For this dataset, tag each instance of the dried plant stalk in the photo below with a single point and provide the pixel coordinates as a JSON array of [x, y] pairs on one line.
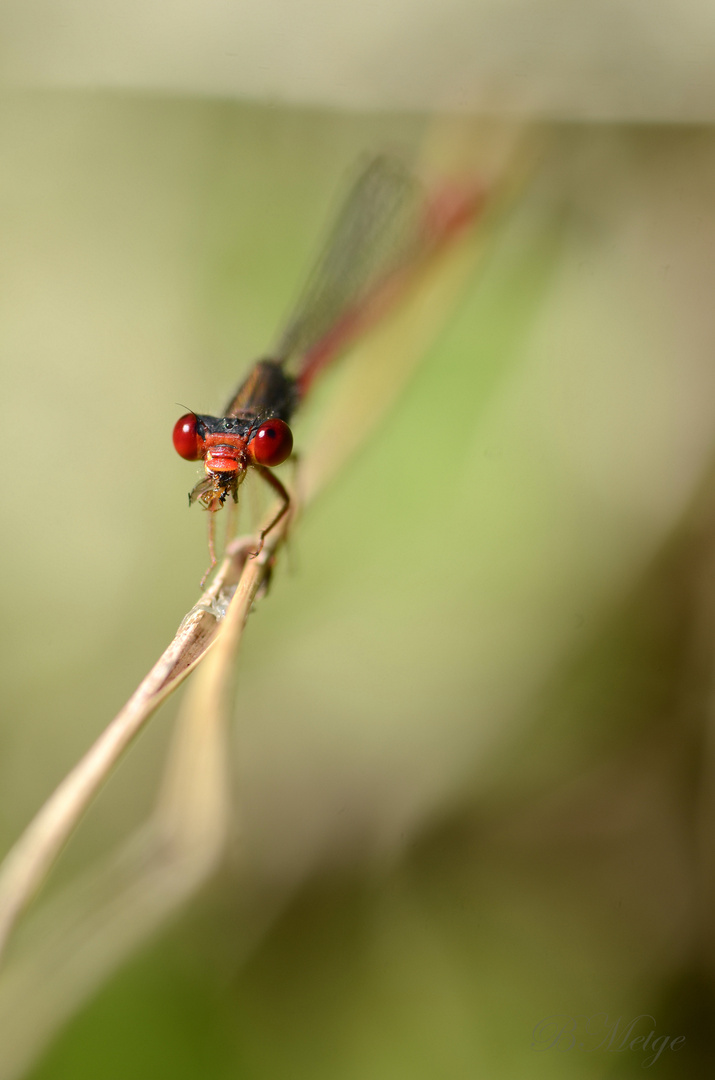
[[85, 932]]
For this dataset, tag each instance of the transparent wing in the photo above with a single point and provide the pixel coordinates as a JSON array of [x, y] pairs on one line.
[[376, 233]]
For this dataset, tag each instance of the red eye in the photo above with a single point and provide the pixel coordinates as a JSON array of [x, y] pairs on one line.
[[271, 444], [187, 441]]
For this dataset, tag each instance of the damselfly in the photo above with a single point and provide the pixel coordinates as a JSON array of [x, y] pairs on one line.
[[388, 226]]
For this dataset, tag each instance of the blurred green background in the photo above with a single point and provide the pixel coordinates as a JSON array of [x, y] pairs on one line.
[[471, 748]]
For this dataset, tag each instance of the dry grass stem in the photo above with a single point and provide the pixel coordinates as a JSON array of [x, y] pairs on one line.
[[86, 931]]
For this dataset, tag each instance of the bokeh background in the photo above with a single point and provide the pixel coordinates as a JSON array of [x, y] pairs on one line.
[[472, 757]]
